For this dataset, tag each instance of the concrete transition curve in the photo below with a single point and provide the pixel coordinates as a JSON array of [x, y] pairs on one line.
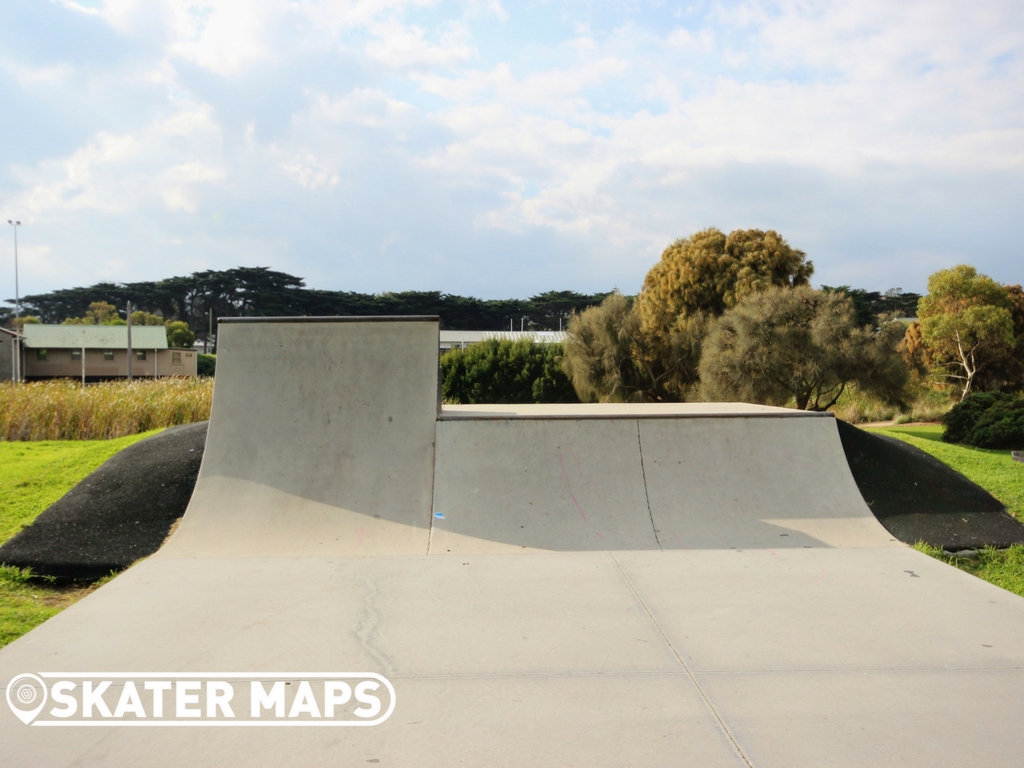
[[696, 584]]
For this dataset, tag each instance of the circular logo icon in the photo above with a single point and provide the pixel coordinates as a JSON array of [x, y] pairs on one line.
[[26, 696]]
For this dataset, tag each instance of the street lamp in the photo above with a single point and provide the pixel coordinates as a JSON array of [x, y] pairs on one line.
[[17, 306]]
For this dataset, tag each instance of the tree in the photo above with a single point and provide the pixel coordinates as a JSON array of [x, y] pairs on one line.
[[178, 334], [19, 323], [99, 313], [966, 323], [141, 317], [609, 357], [709, 272], [799, 344], [696, 280], [502, 371], [1005, 372], [869, 305], [913, 349], [262, 291]]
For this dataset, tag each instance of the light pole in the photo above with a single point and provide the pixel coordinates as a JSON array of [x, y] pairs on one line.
[[16, 363]]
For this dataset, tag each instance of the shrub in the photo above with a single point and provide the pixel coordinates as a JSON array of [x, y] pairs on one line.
[[206, 365], [505, 372], [986, 420], [797, 344]]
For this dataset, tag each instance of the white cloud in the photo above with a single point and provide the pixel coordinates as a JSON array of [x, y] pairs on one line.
[[177, 184], [369, 107], [29, 76], [77, 8], [226, 36], [682, 38], [310, 172], [407, 47], [167, 163], [604, 134]]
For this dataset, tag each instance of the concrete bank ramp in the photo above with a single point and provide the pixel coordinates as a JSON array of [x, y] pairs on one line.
[[610, 477], [597, 586]]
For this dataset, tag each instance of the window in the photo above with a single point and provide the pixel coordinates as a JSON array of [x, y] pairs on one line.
[[175, 358], [140, 354], [41, 355], [76, 354], [108, 354]]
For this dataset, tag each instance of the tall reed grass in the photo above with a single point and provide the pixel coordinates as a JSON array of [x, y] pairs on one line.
[[65, 410], [924, 404]]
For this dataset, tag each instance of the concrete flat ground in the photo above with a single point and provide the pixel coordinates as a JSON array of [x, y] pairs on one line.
[[799, 657], [582, 586]]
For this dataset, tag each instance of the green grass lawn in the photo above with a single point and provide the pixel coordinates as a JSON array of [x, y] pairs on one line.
[[922, 431], [33, 475], [997, 473]]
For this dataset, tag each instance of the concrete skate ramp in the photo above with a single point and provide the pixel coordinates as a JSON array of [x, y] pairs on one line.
[[321, 440], [611, 477], [330, 451]]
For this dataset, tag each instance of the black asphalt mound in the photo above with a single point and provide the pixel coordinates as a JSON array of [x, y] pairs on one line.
[[119, 513], [918, 498]]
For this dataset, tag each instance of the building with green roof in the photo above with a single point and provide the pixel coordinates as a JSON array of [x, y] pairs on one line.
[[100, 352]]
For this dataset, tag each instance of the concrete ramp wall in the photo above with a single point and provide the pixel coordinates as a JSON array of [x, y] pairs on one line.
[[611, 477], [754, 481], [527, 485], [321, 440]]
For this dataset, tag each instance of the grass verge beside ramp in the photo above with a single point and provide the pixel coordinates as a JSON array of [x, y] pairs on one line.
[[32, 477]]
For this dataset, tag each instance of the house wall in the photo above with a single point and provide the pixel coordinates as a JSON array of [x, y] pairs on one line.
[[6, 357], [58, 364]]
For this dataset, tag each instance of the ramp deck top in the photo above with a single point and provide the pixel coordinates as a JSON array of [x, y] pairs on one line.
[[623, 411]]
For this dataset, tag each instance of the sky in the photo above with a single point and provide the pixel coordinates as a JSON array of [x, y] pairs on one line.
[[498, 149]]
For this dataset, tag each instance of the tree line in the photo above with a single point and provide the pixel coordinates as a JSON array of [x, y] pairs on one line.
[[260, 291], [719, 317], [263, 292]]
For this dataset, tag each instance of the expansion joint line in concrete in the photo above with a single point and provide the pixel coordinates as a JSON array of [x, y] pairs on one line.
[[647, 495], [433, 488], [689, 673]]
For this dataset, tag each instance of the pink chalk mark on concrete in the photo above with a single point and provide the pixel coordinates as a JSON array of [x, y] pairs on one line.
[[359, 544], [565, 476]]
